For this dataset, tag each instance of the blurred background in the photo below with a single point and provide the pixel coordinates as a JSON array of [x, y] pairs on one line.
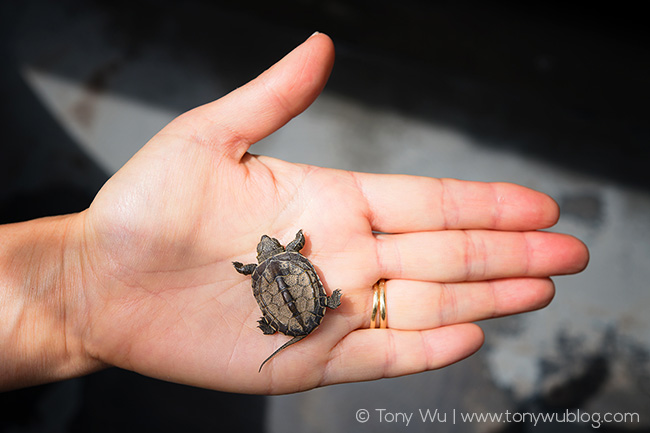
[[544, 95]]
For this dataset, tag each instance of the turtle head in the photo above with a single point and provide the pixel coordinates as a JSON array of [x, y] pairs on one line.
[[268, 247]]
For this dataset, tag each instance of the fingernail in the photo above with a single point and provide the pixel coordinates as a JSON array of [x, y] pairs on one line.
[[313, 34]]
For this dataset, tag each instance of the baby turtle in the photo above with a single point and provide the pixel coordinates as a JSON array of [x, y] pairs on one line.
[[287, 289]]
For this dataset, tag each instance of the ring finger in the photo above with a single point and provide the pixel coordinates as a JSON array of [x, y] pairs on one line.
[[419, 305]]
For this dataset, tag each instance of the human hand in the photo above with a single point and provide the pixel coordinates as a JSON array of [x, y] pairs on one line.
[[159, 294]]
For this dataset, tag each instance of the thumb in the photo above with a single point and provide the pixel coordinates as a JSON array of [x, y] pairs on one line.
[[259, 108]]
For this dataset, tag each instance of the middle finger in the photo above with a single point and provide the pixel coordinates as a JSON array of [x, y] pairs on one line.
[[473, 255]]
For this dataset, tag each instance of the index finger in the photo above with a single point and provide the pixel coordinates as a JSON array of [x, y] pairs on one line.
[[401, 203]]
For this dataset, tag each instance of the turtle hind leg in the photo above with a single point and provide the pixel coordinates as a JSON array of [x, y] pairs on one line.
[[265, 326], [244, 269], [297, 244], [335, 300], [295, 339]]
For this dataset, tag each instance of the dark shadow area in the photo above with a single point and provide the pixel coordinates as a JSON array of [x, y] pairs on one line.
[[116, 400], [139, 403]]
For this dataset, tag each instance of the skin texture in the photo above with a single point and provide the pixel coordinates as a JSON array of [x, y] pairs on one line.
[[143, 279]]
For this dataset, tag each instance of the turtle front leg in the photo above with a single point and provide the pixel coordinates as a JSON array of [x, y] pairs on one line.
[[297, 244], [265, 326], [335, 300], [244, 269]]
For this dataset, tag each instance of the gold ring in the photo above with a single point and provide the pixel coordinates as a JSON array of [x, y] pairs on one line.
[[378, 305]]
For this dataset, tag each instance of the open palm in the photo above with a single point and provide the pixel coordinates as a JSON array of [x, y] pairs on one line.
[[162, 297]]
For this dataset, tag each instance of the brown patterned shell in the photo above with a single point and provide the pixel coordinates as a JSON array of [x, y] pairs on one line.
[[289, 293]]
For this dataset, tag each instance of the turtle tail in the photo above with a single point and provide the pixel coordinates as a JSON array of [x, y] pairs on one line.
[[295, 339]]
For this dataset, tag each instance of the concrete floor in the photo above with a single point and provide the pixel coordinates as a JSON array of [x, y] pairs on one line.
[[89, 84]]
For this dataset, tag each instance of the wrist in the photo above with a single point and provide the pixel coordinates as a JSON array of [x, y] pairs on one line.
[[42, 302]]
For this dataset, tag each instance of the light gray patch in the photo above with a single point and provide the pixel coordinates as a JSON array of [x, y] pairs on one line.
[[587, 207]]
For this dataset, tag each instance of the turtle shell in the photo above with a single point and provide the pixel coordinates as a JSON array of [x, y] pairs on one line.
[[289, 293]]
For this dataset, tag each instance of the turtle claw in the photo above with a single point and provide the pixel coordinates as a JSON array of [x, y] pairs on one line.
[[335, 300], [244, 269], [297, 244], [265, 327]]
